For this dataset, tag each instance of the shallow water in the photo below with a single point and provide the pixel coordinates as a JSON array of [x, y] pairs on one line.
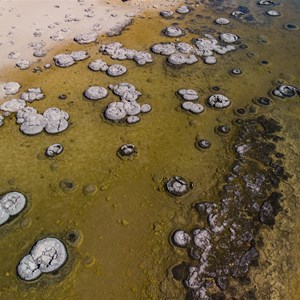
[[126, 224]]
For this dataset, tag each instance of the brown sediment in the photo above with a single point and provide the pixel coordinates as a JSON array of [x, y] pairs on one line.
[[126, 224]]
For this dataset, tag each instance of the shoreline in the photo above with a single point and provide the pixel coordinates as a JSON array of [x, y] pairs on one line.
[[58, 22]]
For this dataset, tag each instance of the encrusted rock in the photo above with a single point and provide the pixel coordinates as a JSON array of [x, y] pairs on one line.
[[188, 95], [54, 150], [177, 186], [218, 101], [95, 93], [116, 70], [11, 88], [86, 38], [32, 94], [47, 255], [98, 65], [13, 105]]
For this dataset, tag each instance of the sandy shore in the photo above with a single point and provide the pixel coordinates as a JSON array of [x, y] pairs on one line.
[[27, 25]]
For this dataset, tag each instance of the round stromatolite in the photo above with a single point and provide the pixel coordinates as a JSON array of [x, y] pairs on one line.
[[98, 65], [188, 94], [203, 144], [28, 269], [33, 124], [263, 101], [236, 72], [133, 119], [142, 58], [166, 13], [32, 94], [173, 31], [115, 111], [54, 150], [273, 13], [177, 186], [184, 48], [222, 21], [95, 93], [111, 48], [288, 90], [13, 202], [1, 120], [194, 108], [68, 185], [180, 59], [64, 60], [56, 120], [145, 108], [39, 53], [164, 48], [126, 91], [218, 101], [79, 55], [86, 38], [181, 238], [183, 9], [210, 60], [11, 88], [23, 64], [126, 151], [228, 38], [116, 70], [50, 254], [265, 2], [24, 113], [13, 105], [132, 108], [222, 129], [202, 238], [4, 215]]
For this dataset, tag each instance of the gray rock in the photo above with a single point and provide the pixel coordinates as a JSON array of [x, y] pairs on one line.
[[188, 95], [54, 150], [218, 101], [86, 38], [116, 70], [32, 94], [13, 105], [23, 64], [95, 93], [64, 60], [11, 88], [173, 31], [98, 65], [115, 111]]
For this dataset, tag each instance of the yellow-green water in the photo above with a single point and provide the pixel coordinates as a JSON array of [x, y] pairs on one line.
[[125, 253]]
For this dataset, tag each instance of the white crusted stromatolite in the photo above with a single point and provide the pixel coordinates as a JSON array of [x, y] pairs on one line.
[[133, 119], [218, 101], [13, 202], [180, 59], [110, 49], [181, 238], [80, 55], [95, 93], [98, 65], [173, 31], [116, 70], [273, 13], [39, 53], [132, 108], [177, 186], [188, 94], [184, 48], [56, 120], [1, 120], [115, 111], [64, 60], [4, 215], [164, 48], [11, 88], [142, 58], [86, 38], [166, 13], [145, 108], [210, 60], [54, 150], [33, 124], [13, 105], [222, 21], [183, 9], [47, 255], [228, 38], [23, 64], [32, 94], [126, 91], [195, 108]]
